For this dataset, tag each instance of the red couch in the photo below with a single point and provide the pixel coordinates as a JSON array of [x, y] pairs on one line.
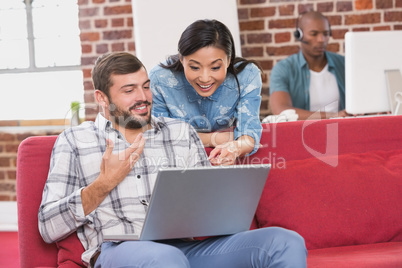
[[336, 182]]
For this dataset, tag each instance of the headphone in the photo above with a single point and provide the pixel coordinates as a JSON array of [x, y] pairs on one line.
[[298, 33]]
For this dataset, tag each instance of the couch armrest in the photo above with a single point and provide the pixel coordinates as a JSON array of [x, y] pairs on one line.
[[32, 168]]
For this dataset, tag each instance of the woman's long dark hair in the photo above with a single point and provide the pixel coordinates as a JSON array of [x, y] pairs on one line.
[[204, 33]]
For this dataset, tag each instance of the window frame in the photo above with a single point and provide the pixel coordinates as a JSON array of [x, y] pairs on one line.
[[34, 69], [31, 50]]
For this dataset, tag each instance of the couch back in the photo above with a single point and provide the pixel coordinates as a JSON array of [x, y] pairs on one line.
[[321, 138]]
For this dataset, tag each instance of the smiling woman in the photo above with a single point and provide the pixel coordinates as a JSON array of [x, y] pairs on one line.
[[206, 69], [208, 86], [39, 61]]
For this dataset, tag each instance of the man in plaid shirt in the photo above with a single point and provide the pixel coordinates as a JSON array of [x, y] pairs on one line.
[[102, 174]]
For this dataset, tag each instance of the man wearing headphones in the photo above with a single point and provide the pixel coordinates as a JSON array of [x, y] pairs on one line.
[[312, 82]]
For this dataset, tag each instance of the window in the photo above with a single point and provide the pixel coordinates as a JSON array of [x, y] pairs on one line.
[[40, 55]]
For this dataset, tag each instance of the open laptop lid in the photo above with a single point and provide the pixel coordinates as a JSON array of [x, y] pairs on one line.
[[202, 201]]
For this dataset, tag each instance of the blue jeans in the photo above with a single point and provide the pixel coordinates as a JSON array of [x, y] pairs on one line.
[[266, 247]]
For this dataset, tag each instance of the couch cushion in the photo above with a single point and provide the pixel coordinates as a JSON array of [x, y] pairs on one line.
[[70, 250], [382, 255], [357, 202]]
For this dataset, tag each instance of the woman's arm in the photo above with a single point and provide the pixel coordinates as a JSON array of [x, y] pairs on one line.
[[247, 114], [214, 139]]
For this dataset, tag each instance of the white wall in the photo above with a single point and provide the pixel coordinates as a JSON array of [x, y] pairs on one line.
[[158, 24], [8, 218]]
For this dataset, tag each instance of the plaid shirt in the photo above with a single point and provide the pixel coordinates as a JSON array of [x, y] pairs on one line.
[[75, 163]]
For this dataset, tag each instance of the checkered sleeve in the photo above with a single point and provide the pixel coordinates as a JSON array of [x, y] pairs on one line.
[[61, 211]]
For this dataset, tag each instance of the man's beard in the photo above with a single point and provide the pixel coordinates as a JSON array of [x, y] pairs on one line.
[[126, 119]]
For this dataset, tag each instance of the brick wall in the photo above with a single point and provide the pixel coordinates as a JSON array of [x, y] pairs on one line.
[[8, 159], [106, 26], [9, 142], [266, 28]]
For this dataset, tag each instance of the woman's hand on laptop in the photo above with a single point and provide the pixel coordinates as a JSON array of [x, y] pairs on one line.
[[224, 154]]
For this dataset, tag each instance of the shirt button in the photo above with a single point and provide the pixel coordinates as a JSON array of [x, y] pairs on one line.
[[138, 176]]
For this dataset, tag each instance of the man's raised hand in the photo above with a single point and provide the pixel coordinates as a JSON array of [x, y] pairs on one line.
[[115, 167]]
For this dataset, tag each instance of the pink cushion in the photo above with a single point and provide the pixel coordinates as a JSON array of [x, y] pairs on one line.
[[357, 202], [384, 255], [70, 250]]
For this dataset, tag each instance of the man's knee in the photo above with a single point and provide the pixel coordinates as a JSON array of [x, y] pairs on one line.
[[287, 238], [165, 256], [144, 254], [291, 245]]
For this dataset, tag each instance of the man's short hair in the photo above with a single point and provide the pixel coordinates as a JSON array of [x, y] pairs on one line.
[[113, 63]]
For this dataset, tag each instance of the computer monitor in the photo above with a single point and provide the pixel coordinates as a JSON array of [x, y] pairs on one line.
[[367, 56]]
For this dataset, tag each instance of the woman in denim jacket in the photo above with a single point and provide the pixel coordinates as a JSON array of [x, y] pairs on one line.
[[206, 85]]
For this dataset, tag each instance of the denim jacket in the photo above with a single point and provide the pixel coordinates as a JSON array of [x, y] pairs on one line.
[[173, 96]]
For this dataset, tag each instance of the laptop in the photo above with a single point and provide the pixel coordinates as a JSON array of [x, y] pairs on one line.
[[201, 201]]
